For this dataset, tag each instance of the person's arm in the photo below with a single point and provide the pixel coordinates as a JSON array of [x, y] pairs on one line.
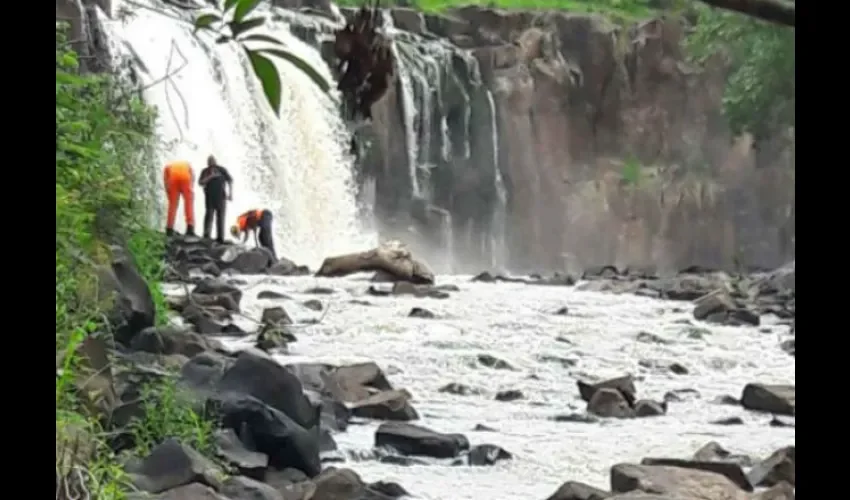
[[245, 236], [204, 177], [229, 181]]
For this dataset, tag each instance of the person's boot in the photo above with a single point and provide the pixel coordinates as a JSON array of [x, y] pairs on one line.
[[169, 231], [190, 230]]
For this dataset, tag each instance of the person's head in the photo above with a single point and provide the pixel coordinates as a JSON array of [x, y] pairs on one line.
[[234, 230], [211, 161]]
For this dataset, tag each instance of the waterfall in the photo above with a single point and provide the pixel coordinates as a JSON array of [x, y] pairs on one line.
[[498, 233], [209, 102]]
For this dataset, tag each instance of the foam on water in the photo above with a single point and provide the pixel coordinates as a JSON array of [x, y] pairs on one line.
[[515, 322]]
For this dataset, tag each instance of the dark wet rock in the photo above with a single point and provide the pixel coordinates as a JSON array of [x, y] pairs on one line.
[[678, 369], [256, 374], [663, 367], [651, 338], [557, 279], [493, 362], [608, 402], [483, 454], [363, 388], [319, 290], [313, 304], [234, 453], [776, 399], [276, 316], [563, 311], [789, 346], [625, 385], [414, 440], [171, 465], [271, 294], [509, 395], [282, 479], [679, 395], [778, 422], [458, 389], [217, 287], [285, 267], [418, 312], [172, 340], [389, 488], [203, 371], [584, 418], [677, 482], [572, 490], [246, 488], [728, 421], [267, 430], [727, 400], [344, 484], [251, 261], [483, 428], [782, 491], [780, 466], [133, 307], [647, 408], [194, 491], [731, 471]]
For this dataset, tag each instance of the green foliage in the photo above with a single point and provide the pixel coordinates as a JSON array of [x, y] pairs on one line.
[[238, 29], [631, 172], [618, 9], [759, 93], [166, 415]]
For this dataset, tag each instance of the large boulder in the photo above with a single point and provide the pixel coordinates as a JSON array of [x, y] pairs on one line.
[[133, 305], [391, 258]]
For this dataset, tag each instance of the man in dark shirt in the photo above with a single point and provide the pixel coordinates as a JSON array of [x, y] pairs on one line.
[[218, 190]]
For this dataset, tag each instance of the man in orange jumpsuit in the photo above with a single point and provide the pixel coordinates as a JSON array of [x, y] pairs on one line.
[[178, 177], [256, 221]]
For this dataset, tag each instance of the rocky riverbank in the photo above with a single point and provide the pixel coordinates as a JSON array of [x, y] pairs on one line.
[[278, 425]]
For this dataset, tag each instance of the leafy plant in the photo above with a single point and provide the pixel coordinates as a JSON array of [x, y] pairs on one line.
[[631, 172], [167, 415], [759, 97], [232, 23]]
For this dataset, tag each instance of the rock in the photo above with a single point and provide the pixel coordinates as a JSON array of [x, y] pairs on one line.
[[285, 267], [651, 338], [345, 484], [133, 307], [625, 385], [572, 490], [728, 421], [458, 389], [269, 431], [204, 320], [203, 371], [647, 408], [789, 346], [194, 491], [677, 482], [509, 395], [777, 399], [563, 311], [608, 402], [584, 418], [217, 286], [713, 452], [313, 304], [414, 440], [780, 466], [233, 451], [172, 340], [393, 259], [493, 362], [731, 471], [418, 312], [271, 294], [482, 455], [171, 465], [276, 316], [714, 302], [385, 405], [255, 374], [252, 261], [782, 491], [245, 488]]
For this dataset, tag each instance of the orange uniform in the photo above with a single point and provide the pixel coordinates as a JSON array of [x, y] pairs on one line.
[[249, 220], [178, 177]]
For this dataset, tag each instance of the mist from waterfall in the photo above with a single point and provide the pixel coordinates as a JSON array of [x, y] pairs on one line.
[[210, 102]]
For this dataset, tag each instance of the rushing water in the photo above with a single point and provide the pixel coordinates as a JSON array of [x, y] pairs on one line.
[[210, 102], [516, 323]]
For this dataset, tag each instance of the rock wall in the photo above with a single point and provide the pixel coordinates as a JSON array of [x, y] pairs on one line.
[[578, 100]]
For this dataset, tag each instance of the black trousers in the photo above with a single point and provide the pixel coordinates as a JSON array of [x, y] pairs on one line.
[[265, 232], [215, 206]]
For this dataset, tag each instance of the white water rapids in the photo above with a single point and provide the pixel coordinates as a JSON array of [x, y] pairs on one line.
[[516, 323], [210, 102]]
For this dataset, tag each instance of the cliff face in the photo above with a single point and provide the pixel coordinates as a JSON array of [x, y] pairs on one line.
[[578, 102]]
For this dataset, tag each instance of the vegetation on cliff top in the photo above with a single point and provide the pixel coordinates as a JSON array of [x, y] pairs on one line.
[[104, 141]]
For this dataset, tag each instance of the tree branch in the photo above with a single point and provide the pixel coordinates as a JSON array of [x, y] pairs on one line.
[[774, 11]]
